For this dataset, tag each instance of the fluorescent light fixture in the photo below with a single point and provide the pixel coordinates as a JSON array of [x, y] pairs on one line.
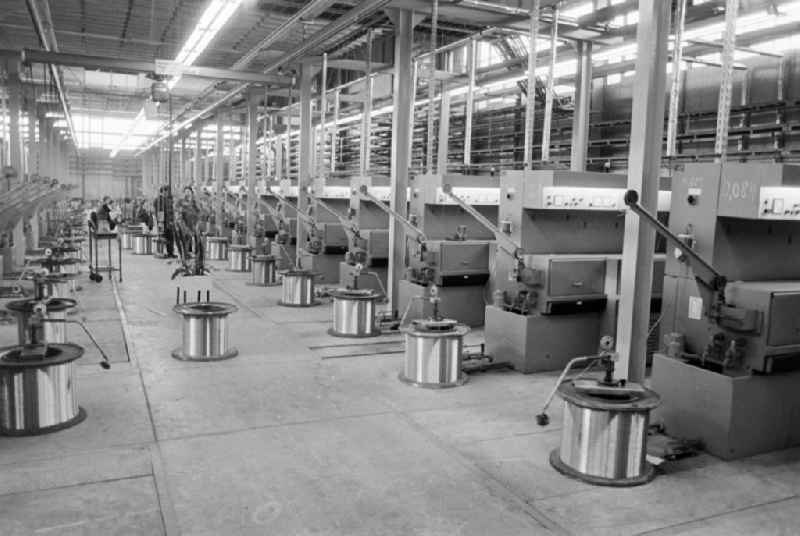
[[213, 19], [215, 16]]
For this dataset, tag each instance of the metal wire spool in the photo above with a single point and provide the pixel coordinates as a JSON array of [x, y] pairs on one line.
[[433, 353], [354, 313], [239, 258], [205, 331], [298, 289], [126, 236], [142, 244], [38, 389], [29, 332], [160, 246], [216, 248], [603, 439], [60, 265], [52, 286], [264, 271]]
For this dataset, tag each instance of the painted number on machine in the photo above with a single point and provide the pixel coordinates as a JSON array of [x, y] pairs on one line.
[[738, 190]]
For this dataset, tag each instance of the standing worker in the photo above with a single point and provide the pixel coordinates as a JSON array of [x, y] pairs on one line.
[[165, 217]]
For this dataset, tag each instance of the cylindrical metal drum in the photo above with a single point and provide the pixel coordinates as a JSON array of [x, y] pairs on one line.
[[354, 313], [142, 244], [126, 238], [38, 389], [264, 271], [216, 248], [603, 439], [298, 289], [160, 246], [205, 331], [52, 286], [433, 353], [239, 258], [30, 331]]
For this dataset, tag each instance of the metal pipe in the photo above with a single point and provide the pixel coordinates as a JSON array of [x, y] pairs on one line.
[[42, 29], [323, 111]]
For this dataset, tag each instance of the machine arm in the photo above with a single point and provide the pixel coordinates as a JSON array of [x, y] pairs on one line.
[[308, 220], [509, 246], [347, 224], [705, 274], [393, 213]]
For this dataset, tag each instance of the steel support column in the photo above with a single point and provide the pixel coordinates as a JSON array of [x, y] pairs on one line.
[[402, 125], [444, 130], [197, 173], [677, 75], [472, 54], [583, 106], [530, 101], [219, 155], [252, 132], [551, 79], [644, 166], [726, 84], [305, 150], [14, 88]]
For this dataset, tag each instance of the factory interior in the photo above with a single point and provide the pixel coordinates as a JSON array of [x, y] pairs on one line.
[[331, 267]]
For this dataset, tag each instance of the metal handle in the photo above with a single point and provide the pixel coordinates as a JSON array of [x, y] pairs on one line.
[[704, 272], [393, 213], [515, 250]]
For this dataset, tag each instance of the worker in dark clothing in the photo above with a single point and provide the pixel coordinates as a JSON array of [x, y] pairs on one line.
[[165, 218], [102, 219], [188, 218]]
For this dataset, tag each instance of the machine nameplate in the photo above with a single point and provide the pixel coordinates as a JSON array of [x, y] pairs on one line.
[[779, 203]]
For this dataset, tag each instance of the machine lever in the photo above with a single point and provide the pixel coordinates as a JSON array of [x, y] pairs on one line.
[[393, 213], [707, 277], [511, 247]]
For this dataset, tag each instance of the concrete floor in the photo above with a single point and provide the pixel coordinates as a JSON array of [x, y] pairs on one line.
[[292, 438]]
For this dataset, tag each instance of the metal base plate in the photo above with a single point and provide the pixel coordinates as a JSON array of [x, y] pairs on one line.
[[80, 417], [179, 355], [238, 271], [312, 304], [251, 284], [462, 379], [564, 469], [333, 333]]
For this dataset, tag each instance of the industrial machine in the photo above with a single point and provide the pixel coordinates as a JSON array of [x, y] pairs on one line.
[[328, 240], [455, 253], [557, 295], [729, 371], [369, 237]]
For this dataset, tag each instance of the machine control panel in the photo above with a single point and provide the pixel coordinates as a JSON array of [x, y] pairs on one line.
[[779, 203], [471, 196], [334, 192], [382, 193], [585, 198]]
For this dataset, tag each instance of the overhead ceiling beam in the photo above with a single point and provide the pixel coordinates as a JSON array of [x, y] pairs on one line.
[[157, 67], [363, 9]]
